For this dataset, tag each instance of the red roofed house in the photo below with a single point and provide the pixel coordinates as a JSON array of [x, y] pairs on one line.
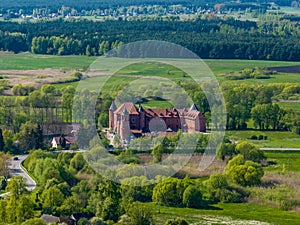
[[128, 120], [63, 141]]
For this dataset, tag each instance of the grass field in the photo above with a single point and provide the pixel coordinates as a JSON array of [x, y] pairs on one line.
[[152, 69], [32, 61], [277, 78], [219, 66], [275, 138], [290, 105], [157, 104], [288, 161], [242, 214], [27, 61]]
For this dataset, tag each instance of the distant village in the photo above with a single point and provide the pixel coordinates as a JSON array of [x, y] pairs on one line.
[[123, 13]]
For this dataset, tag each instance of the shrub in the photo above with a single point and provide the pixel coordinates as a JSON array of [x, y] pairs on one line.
[[97, 221], [177, 221], [260, 137], [250, 151], [140, 214], [83, 221], [137, 188], [192, 197], [242, 172], [170, 191], [253, 137], [219, 190]]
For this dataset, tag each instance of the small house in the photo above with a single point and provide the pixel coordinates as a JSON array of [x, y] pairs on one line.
[[63, 141]]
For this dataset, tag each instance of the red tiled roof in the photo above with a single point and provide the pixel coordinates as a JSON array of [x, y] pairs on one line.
[[154, 112], [130, 107], [162, 113]]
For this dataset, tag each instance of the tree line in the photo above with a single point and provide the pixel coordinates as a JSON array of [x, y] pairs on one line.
[[244, 102], [209, 37]]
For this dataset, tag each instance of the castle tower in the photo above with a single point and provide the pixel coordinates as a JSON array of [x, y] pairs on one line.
[[112, 108], [142, 117], [124, 127]]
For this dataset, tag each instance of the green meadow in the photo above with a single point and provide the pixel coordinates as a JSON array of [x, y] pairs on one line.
[[275, 139], [28, 61], [283, 160], [225, 213], [290, 105]]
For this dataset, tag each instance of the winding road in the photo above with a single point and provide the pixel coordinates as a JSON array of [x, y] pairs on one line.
[[15, 168]]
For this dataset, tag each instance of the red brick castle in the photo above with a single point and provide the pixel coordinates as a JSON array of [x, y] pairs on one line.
[[128, 120]]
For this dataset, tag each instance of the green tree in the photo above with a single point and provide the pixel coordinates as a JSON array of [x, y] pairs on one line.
[[170, 192], [4, 165], [250, 151], [83, 221], [77, 162], [16, 186], [97, 221], [70, 206], [140, 214], [52, 199], [216, 186], [227, 149], [192, 197], [2, 144], [157, 153], [29, 136], [34, 222], [3, 211], [3, 182], [110, 209], [138, 188], [24, 209], [245, 173]]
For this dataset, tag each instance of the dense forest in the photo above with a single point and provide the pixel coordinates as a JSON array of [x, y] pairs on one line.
[[208, 37]]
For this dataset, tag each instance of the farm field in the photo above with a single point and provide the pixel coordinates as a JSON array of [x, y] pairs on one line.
[[28, 61], [56, 67]]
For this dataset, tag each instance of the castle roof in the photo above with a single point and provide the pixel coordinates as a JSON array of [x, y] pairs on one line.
[[162, 113], [125, 112], [130, 107], [113, 106]]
